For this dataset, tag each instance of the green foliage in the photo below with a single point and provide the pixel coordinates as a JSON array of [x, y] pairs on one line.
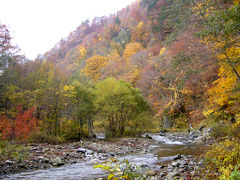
[[14, 152], [116, 104], [117, 21], [150, 4], [141, 123], [235, 175], [123, 37], [121, 170], [222, 23], [174, 15]]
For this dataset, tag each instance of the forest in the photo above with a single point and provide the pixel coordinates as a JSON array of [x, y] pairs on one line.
[[127, 74]]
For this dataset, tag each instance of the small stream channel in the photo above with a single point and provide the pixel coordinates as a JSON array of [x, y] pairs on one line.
[[164, 151]]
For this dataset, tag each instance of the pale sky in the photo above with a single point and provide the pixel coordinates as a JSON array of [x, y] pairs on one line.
[[37, 25]]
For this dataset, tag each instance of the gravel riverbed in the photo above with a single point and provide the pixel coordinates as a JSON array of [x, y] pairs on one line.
[[175, 154]]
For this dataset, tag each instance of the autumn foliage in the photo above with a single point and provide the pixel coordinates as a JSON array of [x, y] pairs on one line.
[[19, 127], [182, 55]]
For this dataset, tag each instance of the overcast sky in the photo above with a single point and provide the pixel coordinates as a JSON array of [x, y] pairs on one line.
[[37, 25]]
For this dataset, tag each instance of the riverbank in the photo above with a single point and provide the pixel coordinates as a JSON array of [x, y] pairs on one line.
[[174, 154], [43, 156]]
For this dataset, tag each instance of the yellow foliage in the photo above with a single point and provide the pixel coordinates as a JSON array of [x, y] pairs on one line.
[[223, 93], [236, 2], [131, 49], [162, 51], [140, 25], [135, 75], [114, 57], [94, 66], [82, 51], [220, 93], [203, 8], [222, 158]]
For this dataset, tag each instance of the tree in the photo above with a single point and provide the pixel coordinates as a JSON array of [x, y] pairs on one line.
[[131, 49], [94, 66], [83, 105], [221, 31], [19, 127], [221, 35], [6, 49], [117, 103], [48, 97]]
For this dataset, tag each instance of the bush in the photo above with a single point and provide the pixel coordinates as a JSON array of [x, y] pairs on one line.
[[41, 137], [14, 152], [221, 159], [220, 130], [181, 121], [122, 169]]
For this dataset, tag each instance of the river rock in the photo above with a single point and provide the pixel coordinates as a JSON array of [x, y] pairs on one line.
[[178, 156], [148, 136], [99, 150], [81, 150], [45, 160], [178, 163], [9, 162], [198, 141], [161, 134], [191, 163], [57, 162], [182, 162], [175, 164], [171, 175], [145, 166], [90, 152]]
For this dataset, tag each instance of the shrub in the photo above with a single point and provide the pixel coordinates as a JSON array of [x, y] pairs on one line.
[[221, 159], [42, 137], [14, 152], [121, 169], [220, 130]]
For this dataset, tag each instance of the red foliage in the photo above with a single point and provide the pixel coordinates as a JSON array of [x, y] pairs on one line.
[[20, 127], [5, 127]]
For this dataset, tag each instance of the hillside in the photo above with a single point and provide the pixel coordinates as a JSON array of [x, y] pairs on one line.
[[154, 65]]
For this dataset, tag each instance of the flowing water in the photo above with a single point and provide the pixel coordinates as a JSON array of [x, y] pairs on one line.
[[163, 152]]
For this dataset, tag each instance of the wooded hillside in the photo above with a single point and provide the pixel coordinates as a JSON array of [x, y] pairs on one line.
[[153, 60]]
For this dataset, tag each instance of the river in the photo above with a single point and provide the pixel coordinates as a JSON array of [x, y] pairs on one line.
[[164, 151]]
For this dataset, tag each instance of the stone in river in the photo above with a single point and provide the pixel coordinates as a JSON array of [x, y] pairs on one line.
[[9, 162], [57, 162], [178, 156], [81, 150]]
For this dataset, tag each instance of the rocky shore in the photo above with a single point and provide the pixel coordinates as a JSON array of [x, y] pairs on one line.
[[43, 156], [181, 165]]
